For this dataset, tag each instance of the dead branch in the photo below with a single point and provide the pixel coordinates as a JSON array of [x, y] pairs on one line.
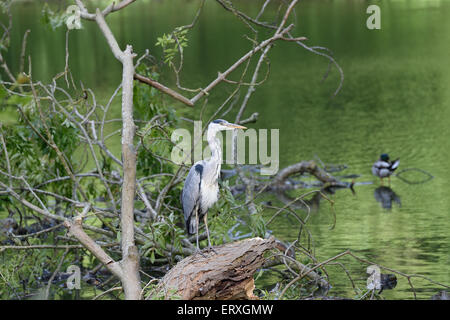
[[164, 89], [221, 76], [224, 275], [130, 258], [310, 167]]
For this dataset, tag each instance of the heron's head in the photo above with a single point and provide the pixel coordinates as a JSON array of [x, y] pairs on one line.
[[220, 124], [384, 157]]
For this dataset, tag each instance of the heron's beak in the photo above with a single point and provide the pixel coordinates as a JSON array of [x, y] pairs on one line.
[[232, 125]]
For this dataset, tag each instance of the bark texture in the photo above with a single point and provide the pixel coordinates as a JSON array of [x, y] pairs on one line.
[[222, 275]]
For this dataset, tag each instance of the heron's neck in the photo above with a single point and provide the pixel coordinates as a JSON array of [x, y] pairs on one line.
[[215, 162], [215, 147]]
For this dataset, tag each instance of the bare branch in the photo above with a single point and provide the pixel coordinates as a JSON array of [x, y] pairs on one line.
[[130, 261], [100, 19], [111, 8], [164, 89], [76, 229], [249, 54]]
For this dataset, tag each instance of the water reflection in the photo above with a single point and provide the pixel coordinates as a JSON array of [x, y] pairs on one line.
[[385, 196]]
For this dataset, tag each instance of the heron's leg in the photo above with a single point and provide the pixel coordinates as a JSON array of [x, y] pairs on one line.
[[381, 181], [205, 219], [389, 179], [196, 231]]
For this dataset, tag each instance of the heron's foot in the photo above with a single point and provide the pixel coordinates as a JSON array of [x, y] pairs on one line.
[[210, 249], [199, 251]]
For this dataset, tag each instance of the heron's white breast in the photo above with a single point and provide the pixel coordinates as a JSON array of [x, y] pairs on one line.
[[209, 194]]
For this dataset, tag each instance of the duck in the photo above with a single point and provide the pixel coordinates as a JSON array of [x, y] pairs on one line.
[[384, 168], [387, 281]]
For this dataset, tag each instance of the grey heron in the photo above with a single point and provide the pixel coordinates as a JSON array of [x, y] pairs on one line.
[[383, 167], [201, 188]]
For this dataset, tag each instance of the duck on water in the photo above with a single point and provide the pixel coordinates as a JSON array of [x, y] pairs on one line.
[[384, 168]]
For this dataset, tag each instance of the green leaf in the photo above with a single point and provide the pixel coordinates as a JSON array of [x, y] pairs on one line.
[[3, 92], [152, 256], [19, 100], [261, 271]]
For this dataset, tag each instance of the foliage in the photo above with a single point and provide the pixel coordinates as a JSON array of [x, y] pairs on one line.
[[173, 43], [32, 155], [24, 272], [51, 19], [152, 292], [29, 155]]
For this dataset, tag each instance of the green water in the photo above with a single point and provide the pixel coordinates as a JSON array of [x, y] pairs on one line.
[[395, 99]]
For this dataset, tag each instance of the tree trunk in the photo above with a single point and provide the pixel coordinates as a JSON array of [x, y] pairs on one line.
[[224, 274]]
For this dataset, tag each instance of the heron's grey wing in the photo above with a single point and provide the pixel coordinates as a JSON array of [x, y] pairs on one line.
[[191, 192]]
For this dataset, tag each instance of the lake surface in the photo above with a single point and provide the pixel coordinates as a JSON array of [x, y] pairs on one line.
[[395, 99]]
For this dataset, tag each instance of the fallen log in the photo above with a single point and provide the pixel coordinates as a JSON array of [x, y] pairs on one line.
[[225, 274], [306, 167]]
